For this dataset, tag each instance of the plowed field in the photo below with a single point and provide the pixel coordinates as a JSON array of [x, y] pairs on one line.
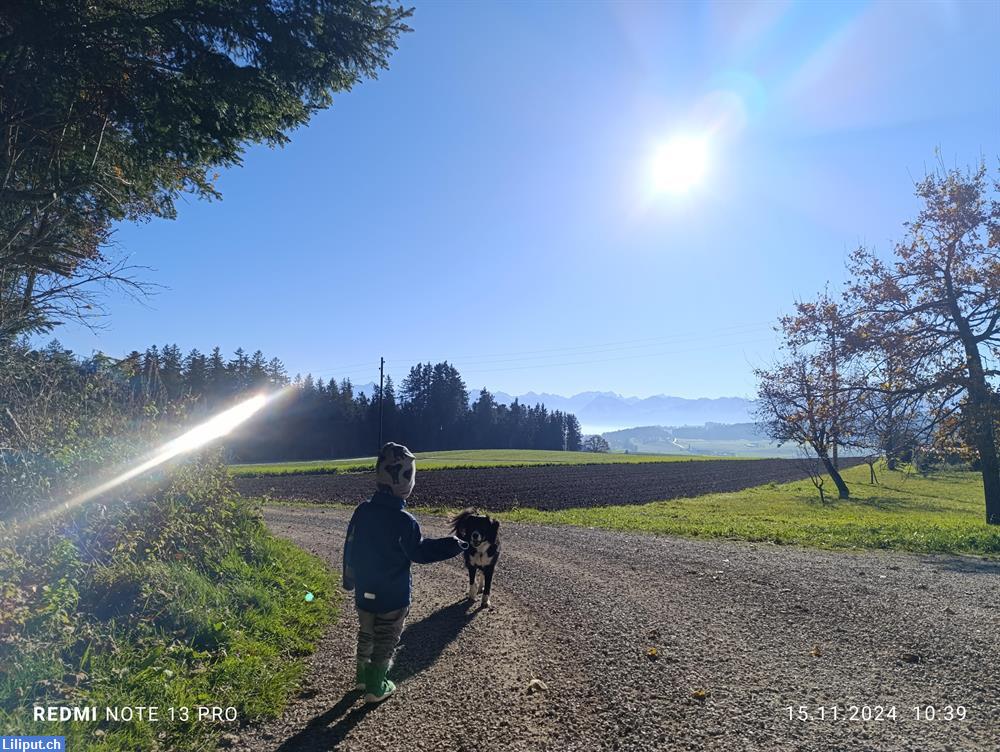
[[555, 487]]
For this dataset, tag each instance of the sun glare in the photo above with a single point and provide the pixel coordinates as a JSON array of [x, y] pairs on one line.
[[680, 164], [212, 429]]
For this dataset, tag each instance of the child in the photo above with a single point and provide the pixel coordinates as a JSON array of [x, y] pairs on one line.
[[382, 539]]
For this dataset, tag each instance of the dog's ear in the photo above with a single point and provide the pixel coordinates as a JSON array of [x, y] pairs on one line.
[[496, 526], [458, 522]]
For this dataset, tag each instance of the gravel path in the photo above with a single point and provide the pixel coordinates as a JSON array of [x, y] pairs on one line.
[[749, 628]]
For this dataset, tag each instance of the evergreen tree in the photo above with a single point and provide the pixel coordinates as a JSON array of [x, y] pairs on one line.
[[196, 374], [257, 376], [483, 421], [574, 436], [171, 371], [113, 110], [219, 384], [276, 375], [239, 371]]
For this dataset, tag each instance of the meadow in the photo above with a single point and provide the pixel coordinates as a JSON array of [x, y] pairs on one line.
[[463, 458], [905, 511]]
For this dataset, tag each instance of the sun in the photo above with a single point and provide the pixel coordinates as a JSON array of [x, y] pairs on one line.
[[680, 164]]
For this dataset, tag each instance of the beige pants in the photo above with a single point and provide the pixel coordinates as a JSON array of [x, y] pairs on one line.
[[378, 635]]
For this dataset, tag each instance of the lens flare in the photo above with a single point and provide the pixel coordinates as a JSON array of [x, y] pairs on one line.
[[680, 164], [199, 436]]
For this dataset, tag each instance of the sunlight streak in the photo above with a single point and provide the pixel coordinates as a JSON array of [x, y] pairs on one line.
[[214, 428]]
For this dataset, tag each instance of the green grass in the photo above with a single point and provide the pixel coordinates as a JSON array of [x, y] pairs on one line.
[[463, 458], [941, 513], [175, 633]]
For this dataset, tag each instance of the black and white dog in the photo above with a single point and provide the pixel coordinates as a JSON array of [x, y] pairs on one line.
[[482, 533]]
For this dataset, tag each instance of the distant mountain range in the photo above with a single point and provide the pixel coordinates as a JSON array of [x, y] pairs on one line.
[[607, 411], [599, 412]]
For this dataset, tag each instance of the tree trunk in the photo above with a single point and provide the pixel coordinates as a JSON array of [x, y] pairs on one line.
[[842, 491], [979, 417], [979, 420], [991, 484], [990, 466], [871, 470]]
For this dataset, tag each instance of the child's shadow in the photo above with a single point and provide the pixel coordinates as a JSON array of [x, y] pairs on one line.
[[423, 642], [421, 645]]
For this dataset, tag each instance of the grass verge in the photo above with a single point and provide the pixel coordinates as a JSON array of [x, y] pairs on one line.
[[226, 631]]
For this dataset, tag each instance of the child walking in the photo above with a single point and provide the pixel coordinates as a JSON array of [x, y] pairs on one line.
[[382, 540]]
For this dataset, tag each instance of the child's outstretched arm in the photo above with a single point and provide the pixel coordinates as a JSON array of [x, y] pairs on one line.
[[421, 550]]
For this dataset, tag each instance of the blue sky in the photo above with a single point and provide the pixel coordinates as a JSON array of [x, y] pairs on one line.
[[488, 200]]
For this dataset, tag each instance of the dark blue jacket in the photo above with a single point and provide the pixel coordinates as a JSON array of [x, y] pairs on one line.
[[382, 539]]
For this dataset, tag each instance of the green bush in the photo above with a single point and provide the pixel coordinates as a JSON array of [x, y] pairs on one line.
[[167, 592]]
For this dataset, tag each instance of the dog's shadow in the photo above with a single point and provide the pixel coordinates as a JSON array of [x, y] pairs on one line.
[[421, 644]]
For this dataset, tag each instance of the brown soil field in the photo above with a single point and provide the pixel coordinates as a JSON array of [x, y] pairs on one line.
[[546, 487]]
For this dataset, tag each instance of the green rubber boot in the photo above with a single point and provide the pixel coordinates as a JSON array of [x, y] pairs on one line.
[[360, 676], [378, 686]]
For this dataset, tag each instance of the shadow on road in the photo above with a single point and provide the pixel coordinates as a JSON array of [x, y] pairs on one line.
[[421, 644], [964, 564], [424, 641], [320, 735]]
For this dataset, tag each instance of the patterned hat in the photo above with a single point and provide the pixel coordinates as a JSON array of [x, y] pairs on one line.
[[395, 470]]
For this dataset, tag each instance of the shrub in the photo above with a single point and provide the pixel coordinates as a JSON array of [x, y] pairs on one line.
[[169, 591]]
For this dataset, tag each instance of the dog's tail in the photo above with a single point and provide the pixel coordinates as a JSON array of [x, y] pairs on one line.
[[458, 519]]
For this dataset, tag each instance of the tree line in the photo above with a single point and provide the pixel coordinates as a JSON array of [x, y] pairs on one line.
[[318, 419], [902, 363]]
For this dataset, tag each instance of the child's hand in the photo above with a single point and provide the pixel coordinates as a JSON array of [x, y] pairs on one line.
[[462, 544]]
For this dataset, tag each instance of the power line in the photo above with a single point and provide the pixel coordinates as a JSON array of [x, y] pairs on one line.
[[525, 355], [550, 357], [622, 357], [598, 351]]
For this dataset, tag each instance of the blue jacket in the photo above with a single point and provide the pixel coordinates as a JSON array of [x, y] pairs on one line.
[[382, 539]]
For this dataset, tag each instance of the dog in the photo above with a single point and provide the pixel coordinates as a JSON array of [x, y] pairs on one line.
[[482, 533]]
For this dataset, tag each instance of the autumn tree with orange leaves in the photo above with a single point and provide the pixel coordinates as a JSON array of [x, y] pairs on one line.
[[809, 397], [935, 306]]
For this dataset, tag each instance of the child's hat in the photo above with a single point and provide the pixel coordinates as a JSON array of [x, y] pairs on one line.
[[395, 470]]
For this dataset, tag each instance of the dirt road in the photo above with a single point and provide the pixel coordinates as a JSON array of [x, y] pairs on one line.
[[741, 632]]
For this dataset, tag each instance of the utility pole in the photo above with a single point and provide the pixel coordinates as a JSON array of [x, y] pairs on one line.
[[381, 395]]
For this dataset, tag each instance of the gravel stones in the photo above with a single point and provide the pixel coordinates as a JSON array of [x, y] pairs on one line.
[[578, 609]]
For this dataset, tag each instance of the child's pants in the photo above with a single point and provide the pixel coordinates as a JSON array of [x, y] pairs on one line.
[[378, 635]]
